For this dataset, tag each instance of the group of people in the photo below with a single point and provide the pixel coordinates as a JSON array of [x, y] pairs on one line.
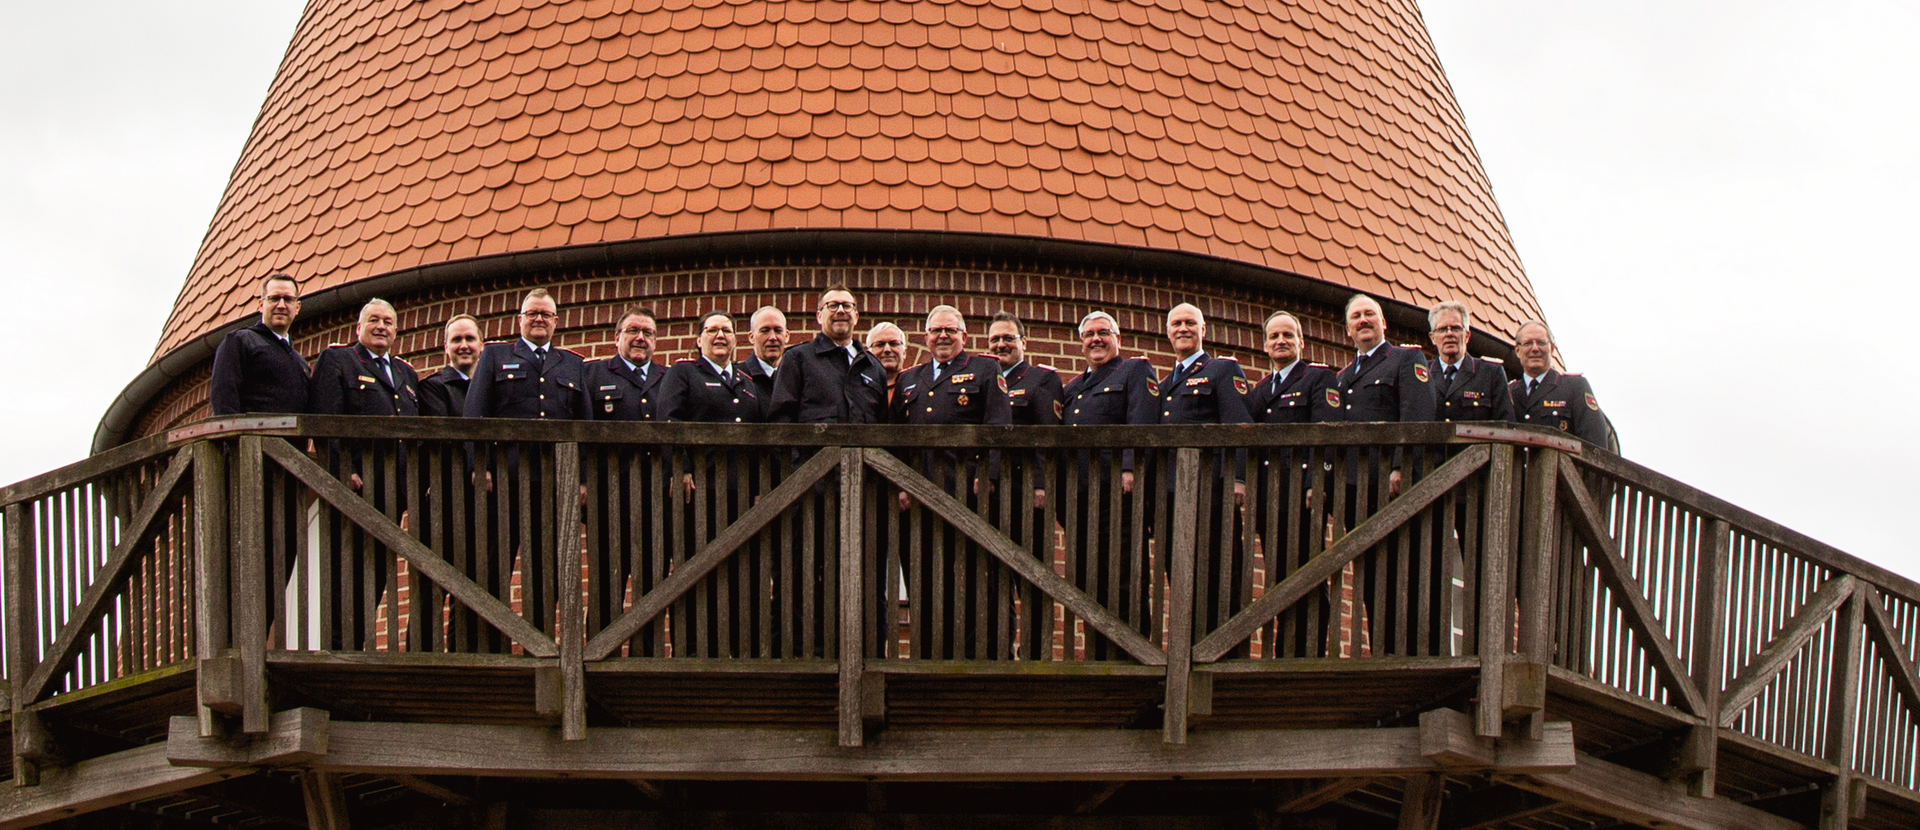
[[839, 378]]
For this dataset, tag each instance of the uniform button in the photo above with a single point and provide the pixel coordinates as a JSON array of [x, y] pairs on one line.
[[1167, 414], [1080, 396], [929, 409], [543, 380], [736, 400], [736, 420], [1076, 410], [543, 397]]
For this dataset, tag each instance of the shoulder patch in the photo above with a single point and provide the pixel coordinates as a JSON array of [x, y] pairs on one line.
[[1419, 371], [1059, 409], [1333, 397], [1591, 403], [1003, 382], [1240, 385]]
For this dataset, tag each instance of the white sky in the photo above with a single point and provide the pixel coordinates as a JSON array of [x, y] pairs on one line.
[[1697, 190]]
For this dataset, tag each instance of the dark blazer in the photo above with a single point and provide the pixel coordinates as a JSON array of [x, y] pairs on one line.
[[1564, 401], [347, 381], [1478, 391], [509, 383], [1394, 386], [1210, 392], [693, 391], [254, 371], [971, 391], [1036, 394], [819, 384], [444, 394], [1119, 392], [762, 382], [617, 392], [1301, 399]]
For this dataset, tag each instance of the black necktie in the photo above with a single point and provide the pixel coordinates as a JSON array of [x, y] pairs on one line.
[[1359, 365], [1531, 383], [1451, 370], [385, 368]]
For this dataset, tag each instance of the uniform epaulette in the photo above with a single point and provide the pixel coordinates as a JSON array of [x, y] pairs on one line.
[[1409, 345], [338, 345], [1320, 365], [1046, 367], [684, 360], [1569, 374], [1226, 358], [572, 352], [403, 361]]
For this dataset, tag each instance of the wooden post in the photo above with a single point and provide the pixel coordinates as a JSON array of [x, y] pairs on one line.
[[853, 628], [571, 629], [1180, 599], [1496, 592], [1843, 711], [326, 800], [1539, 540], [211, 623], [1420, 804], [248, 551], [1706, 653], [22, 634]]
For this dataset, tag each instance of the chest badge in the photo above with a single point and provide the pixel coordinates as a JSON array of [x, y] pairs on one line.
[[609, 406], [1420, 372], [962, 399]]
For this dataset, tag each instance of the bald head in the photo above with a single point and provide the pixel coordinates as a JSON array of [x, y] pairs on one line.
[[1186, 330]]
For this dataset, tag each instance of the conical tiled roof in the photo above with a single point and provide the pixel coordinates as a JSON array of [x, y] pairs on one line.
[[1315, 137]]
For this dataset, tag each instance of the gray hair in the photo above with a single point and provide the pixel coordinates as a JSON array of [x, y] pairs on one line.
[[1357, 298], [876, 330], [1455, 306], [946, 309], [1093, 315], [1532, 322], [1289, 315], [378, 302]]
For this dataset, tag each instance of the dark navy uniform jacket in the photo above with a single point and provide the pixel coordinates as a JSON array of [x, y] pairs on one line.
[[254, 371], [1395, 385], [1119, 392], [818, 383], [509, 383], [693, 391], [1209, 392], [1036, 394], [970, 391], [444, 394], [1300, 399], [617, 392], [347, 380], [762, 382], [1478, 391], [1562, 401]]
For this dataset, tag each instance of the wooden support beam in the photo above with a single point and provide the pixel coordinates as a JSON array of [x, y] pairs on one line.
[[1302, 795], [23, 632], [247, 557], [1420, 802], [1539, 538], [326, 800], [431, 790], [905, 755], [1636, 797], [1346, 549], [109, 781], [1806, 622], [294, 736], [1496, 593], [1180, 607], [1840, 800], [1708, 655], [653, 790], [1637, 612], [852, 627], [1886, 641], [1524, 688], [1448, 738], [1099, 796], [571, 634], [212, 619]]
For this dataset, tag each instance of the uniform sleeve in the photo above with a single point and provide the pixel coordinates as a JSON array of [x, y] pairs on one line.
[[223, 392], [1324, 412], [671, 394], [896, 409], [1143, 403], [1233, 405], [1502, 394], [481, 387], [1589, 423], [1053, 397], [435, 400], [582, 402], [1417, 400], [784, 406], [998, 409], [325, 393]]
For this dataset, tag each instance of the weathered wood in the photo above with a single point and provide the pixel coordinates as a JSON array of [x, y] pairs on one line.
[[1523, 690], [1886, 640], [1754, 677], [80, 472], [1837, 804], [1182, 603], [1349, 547], [1420, 802], [1539, 540], [247, 552], [326, 800], [689, 573], [927, 755], [1304, 794], [853, 474], [1632, 796], [107, 581], [120, 778], [431, 790], [23, 635], [1039, 574], [1496, 592], [571, 628], [217, 692], [294, 736], [1707, 653], [420, 558], [218, 687], [1097, 797], [1628, 591], [1448, 738]]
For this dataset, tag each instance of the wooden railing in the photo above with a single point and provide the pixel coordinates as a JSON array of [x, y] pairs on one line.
[[1503, 569]]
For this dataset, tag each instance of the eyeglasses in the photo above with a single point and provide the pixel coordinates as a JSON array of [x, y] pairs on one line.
[[1004, 338], [1536, 344], [539, 315], [631, 331], [717, 330], [837, 305], [946, 330], [280, 299], [1449, 330], [1099, 333], [885, 344]]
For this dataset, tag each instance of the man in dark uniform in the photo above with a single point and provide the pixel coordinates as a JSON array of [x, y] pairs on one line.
[[889, 346], [1035, 392], [711, 387], [363, 379], [951, 388], [1465, 387], [1203, 389], [1099, 523], [256, 369], [767, 335], [834, 379], [1385, 383], [444, 394], [1294, 391], [529, 378], [1550, 398], [622, 386]]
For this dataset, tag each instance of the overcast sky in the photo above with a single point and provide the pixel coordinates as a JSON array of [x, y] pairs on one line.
[[1708, 197]]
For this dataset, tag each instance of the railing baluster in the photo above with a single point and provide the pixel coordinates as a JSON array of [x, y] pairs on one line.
[[1181, 591], [852, 628], [211, 621]]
